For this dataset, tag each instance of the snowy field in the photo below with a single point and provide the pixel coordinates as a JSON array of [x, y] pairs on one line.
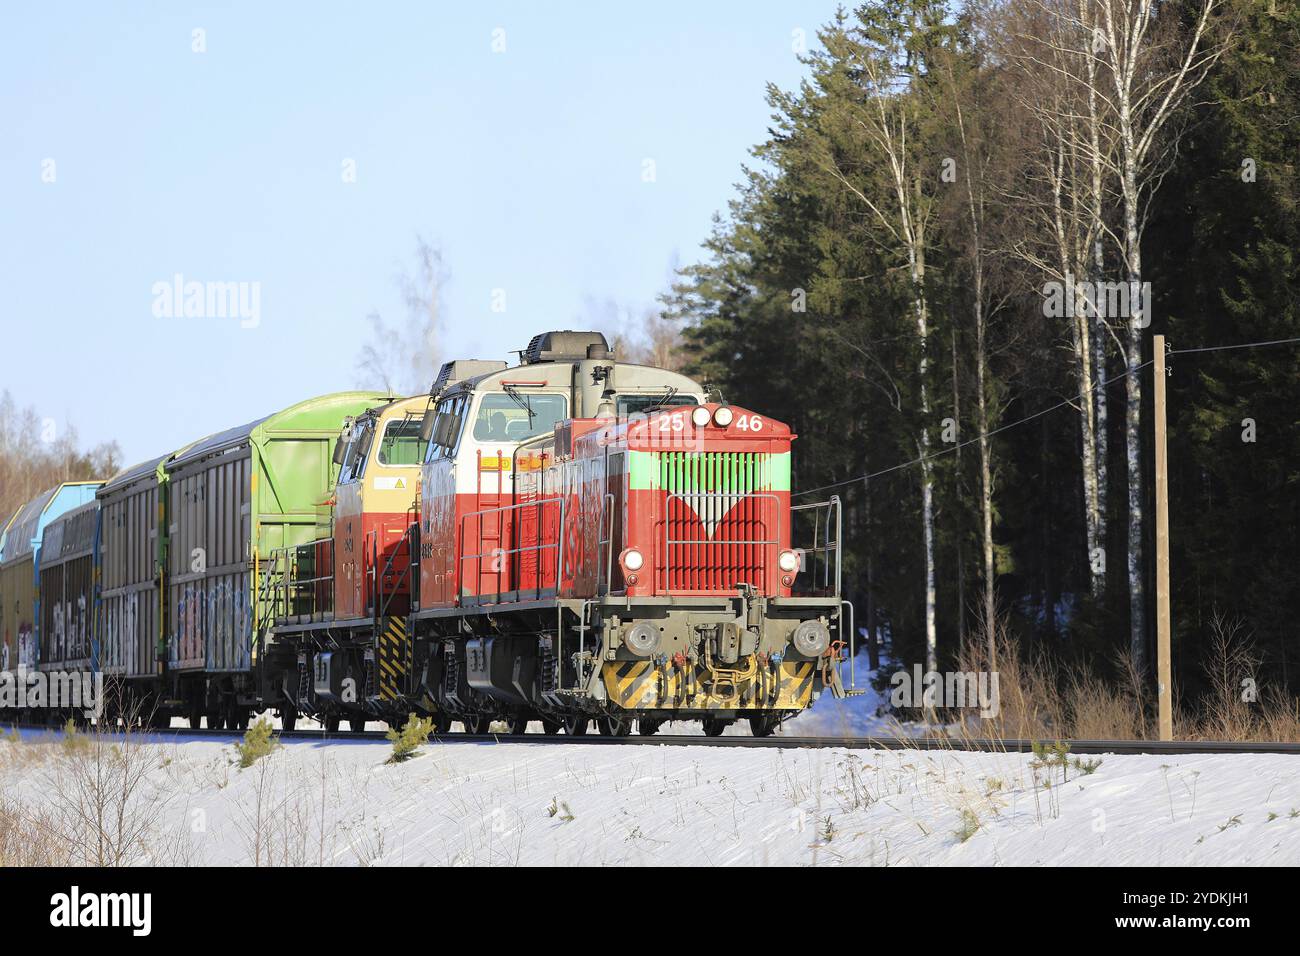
[[476, 804]]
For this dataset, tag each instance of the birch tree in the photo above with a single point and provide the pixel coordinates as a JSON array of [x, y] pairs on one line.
[[962, 97], [1049, 47], [1153, 66], [886, 66]]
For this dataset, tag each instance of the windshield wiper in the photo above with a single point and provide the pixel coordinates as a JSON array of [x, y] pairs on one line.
[[522, 402], [670, 392]]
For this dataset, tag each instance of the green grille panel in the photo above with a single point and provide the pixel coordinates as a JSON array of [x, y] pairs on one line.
[[713, 471]]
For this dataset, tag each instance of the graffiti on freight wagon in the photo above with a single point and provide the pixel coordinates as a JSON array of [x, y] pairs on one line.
[[120, 631], [26, 646], [214, 624], [70, 627]]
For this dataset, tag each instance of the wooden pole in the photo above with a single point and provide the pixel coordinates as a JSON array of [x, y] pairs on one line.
[[1164, 682]]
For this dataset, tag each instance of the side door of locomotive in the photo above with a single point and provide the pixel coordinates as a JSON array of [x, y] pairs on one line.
[[349, 537], [438, 525]]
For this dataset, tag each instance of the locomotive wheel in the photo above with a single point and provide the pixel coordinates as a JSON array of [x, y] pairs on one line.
[[288, 719], [216, 721], [196, 714], [331, 723], [441, 723], [648, 726], [518, 724], [714, 727], [613, 726], [763, 726], [357, 724], [477, 725], [239, 720], [551, 727], [576, 726]]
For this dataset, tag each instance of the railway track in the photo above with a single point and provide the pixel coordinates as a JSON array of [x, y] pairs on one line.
[[986, 745]]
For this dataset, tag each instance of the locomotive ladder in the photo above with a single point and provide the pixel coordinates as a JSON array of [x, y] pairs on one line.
[[490, 538]]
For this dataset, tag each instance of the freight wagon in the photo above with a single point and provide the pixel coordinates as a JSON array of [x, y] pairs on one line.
[[66, 585], [19, 567], [132, 553]]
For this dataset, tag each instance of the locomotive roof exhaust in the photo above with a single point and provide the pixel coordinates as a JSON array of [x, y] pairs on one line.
[[565, 346]]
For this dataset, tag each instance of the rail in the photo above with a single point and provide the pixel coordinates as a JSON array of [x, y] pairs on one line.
[[1009, 745]]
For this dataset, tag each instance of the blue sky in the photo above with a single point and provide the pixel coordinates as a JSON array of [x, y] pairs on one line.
[[524, 166]]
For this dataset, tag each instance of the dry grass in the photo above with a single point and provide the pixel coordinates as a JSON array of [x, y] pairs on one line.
[[1029, 705], [26, 840], [1043, 699], [102, 803]]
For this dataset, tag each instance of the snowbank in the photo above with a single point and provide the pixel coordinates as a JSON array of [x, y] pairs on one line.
[[565, 805]]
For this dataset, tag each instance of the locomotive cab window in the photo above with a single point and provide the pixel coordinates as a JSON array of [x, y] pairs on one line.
[[402, 444], [518, 416], [449, 419], [354, 459], [635, 404]]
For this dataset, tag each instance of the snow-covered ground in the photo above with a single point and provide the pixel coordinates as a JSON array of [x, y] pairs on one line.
[[511, 803]]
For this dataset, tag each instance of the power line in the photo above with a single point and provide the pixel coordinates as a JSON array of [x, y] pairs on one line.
[[970, 441], [1039, 414], [1241, 345]]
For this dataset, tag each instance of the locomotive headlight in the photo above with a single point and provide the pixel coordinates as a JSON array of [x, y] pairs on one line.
[[700, 416], [811, 638], [633, 559], [641, 639], [723, 416], [788, 561]]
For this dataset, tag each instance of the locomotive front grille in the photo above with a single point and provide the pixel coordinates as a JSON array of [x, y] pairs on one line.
[[719, 525]]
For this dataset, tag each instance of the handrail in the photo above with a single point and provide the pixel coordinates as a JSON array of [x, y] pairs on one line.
[[282, 581], [502, 552], [853, 643], [606, 508], [823, 544], [408, 575]]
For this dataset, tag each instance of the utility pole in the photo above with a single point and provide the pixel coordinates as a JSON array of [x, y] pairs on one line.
[[1164, 682]]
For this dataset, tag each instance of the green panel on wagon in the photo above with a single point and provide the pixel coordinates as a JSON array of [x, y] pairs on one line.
[[235, 497]]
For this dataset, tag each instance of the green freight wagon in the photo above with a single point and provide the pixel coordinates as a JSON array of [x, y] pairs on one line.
[[233, 498]]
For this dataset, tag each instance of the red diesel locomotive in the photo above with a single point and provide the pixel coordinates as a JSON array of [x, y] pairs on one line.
[[566, 540]]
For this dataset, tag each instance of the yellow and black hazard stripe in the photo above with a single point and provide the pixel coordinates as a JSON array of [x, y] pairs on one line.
[[632, 684], [794, 684], [392, 654], [640, 684]]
